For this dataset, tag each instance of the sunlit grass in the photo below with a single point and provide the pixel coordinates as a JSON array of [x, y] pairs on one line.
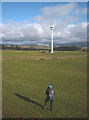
[[25, 81]]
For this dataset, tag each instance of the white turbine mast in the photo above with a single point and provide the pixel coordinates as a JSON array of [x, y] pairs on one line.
[[52, 27]]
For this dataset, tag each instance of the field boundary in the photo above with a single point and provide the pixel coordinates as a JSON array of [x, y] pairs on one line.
[[42, 58]]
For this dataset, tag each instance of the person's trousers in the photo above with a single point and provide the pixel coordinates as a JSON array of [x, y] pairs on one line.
[[51, 102]]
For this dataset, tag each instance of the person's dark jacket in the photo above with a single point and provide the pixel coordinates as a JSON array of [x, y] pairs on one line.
[[47, 91]]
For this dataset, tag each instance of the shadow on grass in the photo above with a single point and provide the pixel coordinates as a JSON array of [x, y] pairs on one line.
[[29, 100]]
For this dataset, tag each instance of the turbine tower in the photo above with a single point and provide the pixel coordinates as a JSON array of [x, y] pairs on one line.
[[52, 27]]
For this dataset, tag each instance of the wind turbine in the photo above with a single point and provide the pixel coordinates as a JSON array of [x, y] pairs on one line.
[[52, 27]]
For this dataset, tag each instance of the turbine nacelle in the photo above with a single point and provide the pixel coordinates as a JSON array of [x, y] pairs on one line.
[[51, 27]]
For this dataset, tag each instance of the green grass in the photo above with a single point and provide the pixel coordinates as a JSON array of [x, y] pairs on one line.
[[26, 77]]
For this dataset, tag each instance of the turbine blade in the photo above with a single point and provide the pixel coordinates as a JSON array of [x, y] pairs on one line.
[[54, 24]]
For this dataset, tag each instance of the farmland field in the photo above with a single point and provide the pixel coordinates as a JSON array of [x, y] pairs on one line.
[[26, 76]]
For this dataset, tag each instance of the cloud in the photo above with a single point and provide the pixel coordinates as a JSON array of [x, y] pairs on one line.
[[82, 11], [58, 10], [39, 32], [51, 13], [35, 33]]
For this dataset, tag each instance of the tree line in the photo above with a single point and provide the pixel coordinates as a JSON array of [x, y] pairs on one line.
[[32, 48]]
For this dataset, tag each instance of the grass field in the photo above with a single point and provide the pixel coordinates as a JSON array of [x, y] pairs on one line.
[[26, 76]]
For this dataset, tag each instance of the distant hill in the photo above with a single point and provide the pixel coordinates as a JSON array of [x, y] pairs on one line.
[[47, 45], [77, 44], [44, 48]]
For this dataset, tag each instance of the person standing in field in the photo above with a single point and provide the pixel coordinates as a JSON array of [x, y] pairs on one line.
[[50, 96]]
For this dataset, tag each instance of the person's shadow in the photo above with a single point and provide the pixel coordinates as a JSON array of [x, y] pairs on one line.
[[29, 100]]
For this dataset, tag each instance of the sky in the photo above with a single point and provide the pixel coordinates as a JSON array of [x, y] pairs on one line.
[[29, 22]]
